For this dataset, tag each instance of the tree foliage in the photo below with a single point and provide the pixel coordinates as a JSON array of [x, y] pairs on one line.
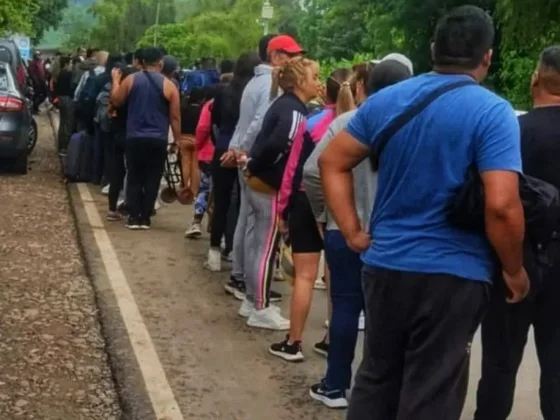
[[212, 33], [48, 15], [121, 23], [16, 16]]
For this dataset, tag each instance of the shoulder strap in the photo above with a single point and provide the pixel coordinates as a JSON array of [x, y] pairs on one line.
[[402, 120], [154, 84]]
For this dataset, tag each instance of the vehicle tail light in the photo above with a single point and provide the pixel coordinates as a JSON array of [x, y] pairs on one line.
[[9, 104]]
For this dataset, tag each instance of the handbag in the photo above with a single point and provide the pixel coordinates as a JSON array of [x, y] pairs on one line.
[[258, 185]]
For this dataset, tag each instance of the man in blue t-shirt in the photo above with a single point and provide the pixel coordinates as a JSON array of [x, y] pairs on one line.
[[425, 281]]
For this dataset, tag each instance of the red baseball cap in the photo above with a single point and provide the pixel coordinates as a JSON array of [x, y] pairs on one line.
[[285, 43]]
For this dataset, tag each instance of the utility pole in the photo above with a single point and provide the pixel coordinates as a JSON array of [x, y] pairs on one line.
[[267, 13], [156, 26]]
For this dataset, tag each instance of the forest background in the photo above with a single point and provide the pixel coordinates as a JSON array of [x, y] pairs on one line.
[[336, 32]]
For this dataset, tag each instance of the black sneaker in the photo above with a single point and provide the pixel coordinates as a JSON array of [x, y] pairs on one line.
[[233, 285], [132, 224], [322, 347], [332, 398], [290, 352], [275, 296], [239, 293]]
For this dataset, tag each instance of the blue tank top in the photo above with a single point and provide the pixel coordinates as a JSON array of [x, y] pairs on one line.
[[148, 108]]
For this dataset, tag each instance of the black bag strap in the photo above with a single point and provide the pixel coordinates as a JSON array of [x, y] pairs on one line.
[[402, 120], [154, 84]]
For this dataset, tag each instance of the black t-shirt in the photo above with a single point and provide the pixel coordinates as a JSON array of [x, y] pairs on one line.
[[540, 144]]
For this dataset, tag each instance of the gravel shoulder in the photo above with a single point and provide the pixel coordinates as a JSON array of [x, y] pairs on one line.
[[53, 363]]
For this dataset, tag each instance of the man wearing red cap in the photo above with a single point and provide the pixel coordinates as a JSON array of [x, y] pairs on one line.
[[274, 51]]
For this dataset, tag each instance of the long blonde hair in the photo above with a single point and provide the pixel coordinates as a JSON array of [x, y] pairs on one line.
[[287, 77]]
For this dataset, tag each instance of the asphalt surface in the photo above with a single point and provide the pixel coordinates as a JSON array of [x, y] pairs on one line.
[[216, 367], [53, 361]]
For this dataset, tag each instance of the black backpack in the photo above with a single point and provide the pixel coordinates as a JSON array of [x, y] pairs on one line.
[[87, 97]]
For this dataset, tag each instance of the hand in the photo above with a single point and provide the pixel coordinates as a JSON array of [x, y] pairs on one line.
[[116, 75], [359, 242], [240, 157], [282, 227], [228, 159], [518, 285]]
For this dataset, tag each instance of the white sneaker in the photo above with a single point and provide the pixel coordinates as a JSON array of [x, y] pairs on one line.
[[194, 231], [214, 261], [157, 205], [269, 319], [362, 322], [105, 190], [320, 284], [246, 309]]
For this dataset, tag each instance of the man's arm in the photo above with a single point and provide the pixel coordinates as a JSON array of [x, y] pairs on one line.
[[120, 91], [498, 159], [261, 106], [505, 222], [174, 109], [335, 164]]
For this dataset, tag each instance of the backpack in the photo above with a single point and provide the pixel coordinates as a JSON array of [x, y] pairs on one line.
[[86, 99], [102, 116], [199, 79]]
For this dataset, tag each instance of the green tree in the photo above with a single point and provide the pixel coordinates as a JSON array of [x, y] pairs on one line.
[[121, 23], [215, 33], [526, 30], [16, 16], [48, 15]]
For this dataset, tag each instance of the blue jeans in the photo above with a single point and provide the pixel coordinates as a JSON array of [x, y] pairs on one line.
[[347, 298], [201, 201]]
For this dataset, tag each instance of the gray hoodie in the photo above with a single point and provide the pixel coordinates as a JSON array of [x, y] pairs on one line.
[[254, 103], [365, 180]]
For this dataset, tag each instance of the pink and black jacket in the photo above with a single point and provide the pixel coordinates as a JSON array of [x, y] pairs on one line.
[[281, 148]]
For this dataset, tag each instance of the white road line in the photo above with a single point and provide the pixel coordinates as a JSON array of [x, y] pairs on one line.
[[160, 392]]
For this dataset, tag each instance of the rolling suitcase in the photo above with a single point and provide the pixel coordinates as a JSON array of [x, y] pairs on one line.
[[78, 166]]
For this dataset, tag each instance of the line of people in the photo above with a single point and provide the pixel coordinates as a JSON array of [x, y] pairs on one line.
[[329, 180], [367, 178]]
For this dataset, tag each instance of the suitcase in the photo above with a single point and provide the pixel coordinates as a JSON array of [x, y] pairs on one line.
[[78, 165]]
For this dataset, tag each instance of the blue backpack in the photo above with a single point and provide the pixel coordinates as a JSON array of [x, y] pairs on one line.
[[199, 79]]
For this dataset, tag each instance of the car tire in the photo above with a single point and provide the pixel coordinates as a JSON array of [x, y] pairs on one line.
[[32, 136], [20, 165]]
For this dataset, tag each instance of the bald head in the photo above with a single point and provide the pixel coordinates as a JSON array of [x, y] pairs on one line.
[[547, 75]]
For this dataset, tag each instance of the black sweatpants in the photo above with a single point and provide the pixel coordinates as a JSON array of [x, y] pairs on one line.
[[224, 182], [117, 169], [145, 160], [504, 335], [419, 329]]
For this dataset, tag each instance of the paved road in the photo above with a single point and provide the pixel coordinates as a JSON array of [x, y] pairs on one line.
[[215, 366]]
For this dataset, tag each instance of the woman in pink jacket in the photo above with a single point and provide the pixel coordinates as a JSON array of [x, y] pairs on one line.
[[204, 152]]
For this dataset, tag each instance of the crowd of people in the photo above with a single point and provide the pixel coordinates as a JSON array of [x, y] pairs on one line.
[[362, 167]]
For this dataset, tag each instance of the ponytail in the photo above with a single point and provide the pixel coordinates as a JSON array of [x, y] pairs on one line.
[[345, 101]]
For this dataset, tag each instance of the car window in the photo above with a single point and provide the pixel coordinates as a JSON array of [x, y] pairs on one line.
[[5, 55], [4, 80]]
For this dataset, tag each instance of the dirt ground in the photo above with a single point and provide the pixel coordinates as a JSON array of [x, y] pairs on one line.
[[53, 363]]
